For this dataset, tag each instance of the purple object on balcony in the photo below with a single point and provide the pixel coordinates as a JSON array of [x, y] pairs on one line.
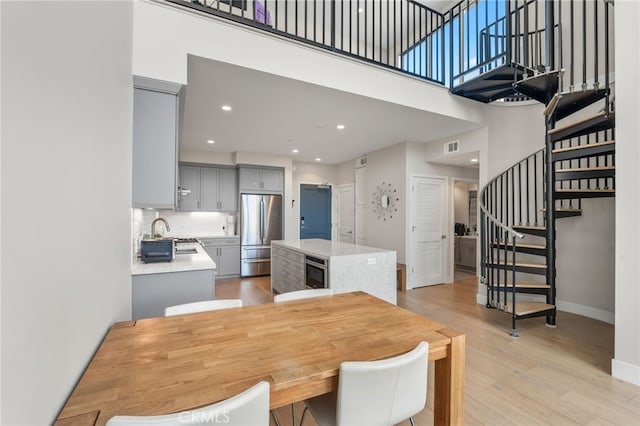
[[258, 7]]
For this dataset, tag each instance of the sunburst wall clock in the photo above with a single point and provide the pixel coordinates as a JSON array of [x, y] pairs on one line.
[[385, 201]]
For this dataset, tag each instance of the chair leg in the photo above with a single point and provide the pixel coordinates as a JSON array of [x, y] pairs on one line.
[[411, 421], [304, 412], [293, 416], [275, 418]]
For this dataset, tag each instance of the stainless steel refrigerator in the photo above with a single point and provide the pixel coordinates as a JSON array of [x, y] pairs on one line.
[[260, 222]]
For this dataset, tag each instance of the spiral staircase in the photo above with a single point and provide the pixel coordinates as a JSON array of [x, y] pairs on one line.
[[521, 206]]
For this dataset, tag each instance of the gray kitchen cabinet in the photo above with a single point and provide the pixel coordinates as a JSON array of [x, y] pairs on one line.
[[287, 270], [208, 188], [261, 180], [151, 293], [189, 188], [154, 154], [226, 253], [466, 253]]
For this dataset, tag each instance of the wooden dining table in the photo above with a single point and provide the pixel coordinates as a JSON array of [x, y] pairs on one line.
[[174, 364]]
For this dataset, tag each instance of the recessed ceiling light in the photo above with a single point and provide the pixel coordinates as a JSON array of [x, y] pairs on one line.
[[340, 126], [226, 108], [295, 151], [318, 159], [360, 10], [211, 141], [474, 160]]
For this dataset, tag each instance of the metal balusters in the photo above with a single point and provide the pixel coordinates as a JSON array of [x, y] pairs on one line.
[[595, 45], [535, 187], [606, 54], [584, 44]]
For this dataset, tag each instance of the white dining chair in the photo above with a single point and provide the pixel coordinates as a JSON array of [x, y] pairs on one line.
[[392, 390], [250, 407], [206, 305], [302, 294]]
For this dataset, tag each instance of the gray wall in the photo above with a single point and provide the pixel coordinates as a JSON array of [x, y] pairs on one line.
[[66, 195]]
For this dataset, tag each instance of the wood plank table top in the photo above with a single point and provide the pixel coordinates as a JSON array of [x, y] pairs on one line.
[[167, 365]]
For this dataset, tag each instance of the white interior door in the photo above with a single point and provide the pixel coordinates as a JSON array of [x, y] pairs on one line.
[[346, 213], [427, 231]]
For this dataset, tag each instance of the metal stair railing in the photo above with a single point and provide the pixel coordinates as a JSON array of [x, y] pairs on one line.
[[513, 198]]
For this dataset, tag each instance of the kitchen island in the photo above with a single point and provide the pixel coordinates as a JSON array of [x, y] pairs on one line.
[[349, 267], [190, 277]]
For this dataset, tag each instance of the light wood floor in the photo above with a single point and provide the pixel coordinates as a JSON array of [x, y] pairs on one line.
[[548, 376]]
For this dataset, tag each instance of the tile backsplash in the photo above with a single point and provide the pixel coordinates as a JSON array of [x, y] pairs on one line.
[[182, 224]]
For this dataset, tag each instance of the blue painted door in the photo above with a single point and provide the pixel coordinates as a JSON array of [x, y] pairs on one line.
[[315, 212]]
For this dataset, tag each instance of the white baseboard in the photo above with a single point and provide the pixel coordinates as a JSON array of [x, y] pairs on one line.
[[586, 311], [625, 371], [574, 308]]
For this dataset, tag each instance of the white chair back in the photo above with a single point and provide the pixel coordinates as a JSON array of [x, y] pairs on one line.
[[302, 294], [250, 407], [206, 305], [392, 390]]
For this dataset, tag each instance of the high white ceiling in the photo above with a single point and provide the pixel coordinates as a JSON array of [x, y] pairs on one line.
[[274, 115]]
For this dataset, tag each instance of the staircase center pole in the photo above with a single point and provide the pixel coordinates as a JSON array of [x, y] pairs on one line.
[[549, 35], [550, 219]]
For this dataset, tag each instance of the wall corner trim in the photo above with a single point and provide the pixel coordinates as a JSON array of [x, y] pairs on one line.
[[626, 372]]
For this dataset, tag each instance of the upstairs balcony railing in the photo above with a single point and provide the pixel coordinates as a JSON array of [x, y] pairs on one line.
[[471, 38], [403, 35]]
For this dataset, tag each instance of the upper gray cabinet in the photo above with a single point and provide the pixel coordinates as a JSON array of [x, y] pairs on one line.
[[261, 180], [155, 129], [208, 189]]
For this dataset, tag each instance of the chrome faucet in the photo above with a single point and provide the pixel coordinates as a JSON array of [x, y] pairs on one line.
[[153, 226]]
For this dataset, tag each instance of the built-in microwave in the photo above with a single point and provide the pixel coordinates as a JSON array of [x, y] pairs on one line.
[[315, 272]]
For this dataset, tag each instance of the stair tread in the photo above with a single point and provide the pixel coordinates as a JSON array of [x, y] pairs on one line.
[[524, 284], [527, 245], [586, 169], [587, 191], [590, 145], [525, 308], [563, 209], [576, 123], [523, 264]]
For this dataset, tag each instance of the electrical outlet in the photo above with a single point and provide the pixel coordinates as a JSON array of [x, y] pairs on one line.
[[371, 261]]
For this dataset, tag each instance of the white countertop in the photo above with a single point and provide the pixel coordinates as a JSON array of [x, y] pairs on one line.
[[327, 249], [181, 263]]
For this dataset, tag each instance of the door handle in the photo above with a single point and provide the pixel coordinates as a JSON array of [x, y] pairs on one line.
[[443, 237], [349, 232], [413, 229]]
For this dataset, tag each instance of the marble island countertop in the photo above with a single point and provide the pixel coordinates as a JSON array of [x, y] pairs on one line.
[[182, 262], [326, 249]]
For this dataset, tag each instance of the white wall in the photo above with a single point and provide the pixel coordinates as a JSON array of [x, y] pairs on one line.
[[626, 364], [387, 165], [66, 195], [461, 202], [346, 173]]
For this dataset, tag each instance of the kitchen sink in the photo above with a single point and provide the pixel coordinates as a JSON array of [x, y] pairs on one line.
[[186, 250]]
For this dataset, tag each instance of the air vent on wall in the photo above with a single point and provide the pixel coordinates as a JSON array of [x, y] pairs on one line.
[[451, 147], [361, 162]]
